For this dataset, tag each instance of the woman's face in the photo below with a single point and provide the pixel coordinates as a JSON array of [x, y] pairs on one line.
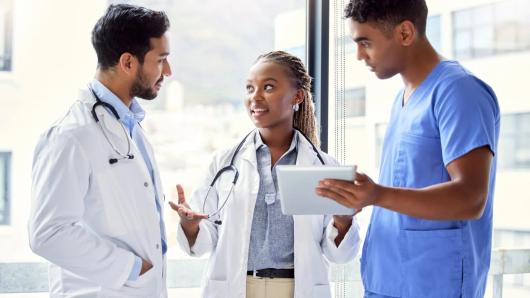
[[270, 95]]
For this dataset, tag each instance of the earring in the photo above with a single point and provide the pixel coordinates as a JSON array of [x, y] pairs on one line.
[[296, 107]]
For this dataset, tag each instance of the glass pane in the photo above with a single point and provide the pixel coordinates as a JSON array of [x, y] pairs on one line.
[[483, 38], [3, 180], [355, 102], [462, 19]]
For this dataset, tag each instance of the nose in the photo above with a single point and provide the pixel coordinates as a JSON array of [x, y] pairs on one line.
[[256, 95], [166, 71], [361, 55]]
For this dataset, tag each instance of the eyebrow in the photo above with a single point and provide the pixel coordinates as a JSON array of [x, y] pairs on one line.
[[165, 54], [359, 39], [264, 80]]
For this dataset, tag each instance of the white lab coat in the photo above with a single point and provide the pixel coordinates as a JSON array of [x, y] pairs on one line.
[[90, 218], [229, 243]]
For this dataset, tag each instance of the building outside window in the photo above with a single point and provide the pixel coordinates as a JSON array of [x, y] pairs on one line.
[[6, 37], [491, 29], [514, 143]]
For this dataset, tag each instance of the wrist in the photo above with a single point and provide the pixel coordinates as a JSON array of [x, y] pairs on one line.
[[342, 223], [190, 228], [381, 193]]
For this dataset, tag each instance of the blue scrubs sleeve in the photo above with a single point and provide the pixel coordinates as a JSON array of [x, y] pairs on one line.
[[467, 113]]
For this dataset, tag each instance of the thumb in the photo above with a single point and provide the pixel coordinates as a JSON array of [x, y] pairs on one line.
[[361, 177], [180, 194]]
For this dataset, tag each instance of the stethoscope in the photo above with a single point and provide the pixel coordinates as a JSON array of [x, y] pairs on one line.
[[232, 168], [121, 155]]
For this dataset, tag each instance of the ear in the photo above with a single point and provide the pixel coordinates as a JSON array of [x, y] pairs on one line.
[[128, 64], [406, 33], [298, 97]]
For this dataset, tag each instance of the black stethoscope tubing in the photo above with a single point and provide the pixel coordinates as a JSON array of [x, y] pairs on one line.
[[232, 168], [121, 155]]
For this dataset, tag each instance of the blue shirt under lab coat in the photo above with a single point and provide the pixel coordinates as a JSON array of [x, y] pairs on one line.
[[451, 113]]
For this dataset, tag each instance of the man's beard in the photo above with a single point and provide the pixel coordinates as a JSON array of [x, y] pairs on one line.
[[141, 88]]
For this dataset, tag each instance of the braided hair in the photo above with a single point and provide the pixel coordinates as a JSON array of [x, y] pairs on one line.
[[304, 118]]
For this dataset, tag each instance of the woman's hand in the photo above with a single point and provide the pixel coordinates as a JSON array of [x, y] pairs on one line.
[[189, 219]]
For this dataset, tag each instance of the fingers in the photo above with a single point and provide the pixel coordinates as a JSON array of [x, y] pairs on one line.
[[180, 194], [342, 186], [334, 194], [186, 213]]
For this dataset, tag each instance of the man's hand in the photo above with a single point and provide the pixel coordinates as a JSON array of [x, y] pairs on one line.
[[146, 266], [355, 194]]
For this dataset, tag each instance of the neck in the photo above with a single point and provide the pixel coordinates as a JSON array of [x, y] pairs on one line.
[[116, 85], [419, 64], [277, 137]]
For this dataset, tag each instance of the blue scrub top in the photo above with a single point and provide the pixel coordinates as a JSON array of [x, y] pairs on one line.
[[451, 113]]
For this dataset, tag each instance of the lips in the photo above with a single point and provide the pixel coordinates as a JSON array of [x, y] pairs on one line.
[[258, 111]]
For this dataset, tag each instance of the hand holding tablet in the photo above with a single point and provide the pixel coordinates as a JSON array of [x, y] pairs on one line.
[[297, 189]]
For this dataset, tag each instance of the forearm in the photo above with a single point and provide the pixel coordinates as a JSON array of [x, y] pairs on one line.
[[191, 232], [446, 201], [342, 226]]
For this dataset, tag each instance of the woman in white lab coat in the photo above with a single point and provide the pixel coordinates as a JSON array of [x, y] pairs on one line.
[[255, 249]]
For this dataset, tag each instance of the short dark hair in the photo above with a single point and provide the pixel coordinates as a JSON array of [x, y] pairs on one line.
[[126, 28], [388, 13]]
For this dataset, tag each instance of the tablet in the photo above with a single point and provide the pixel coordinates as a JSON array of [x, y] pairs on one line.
[[297, 189]]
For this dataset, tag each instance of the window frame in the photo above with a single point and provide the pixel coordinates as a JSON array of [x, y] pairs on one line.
[[6, 196]]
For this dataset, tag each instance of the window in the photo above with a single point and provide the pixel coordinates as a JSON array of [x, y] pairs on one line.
[[5, 163], [491, 29], [6, 28], [514, 143], [434, 32], [380, 129], [355, 102]]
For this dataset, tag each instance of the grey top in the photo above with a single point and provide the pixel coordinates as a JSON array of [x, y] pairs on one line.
[[271, 237]]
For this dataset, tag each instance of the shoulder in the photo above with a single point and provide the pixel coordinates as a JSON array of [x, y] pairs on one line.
[[454, 77], [457, 86]]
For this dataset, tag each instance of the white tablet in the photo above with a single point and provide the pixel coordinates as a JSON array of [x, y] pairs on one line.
[[297, 189]]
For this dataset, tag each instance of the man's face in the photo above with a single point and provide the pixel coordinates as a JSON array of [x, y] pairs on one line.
[[380, 51], [151, 73]]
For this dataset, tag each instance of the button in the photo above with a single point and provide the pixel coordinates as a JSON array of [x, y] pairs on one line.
[[157, 246], [146, 184], [270, 198]]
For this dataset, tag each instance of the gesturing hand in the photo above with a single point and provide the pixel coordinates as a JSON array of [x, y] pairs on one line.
[[188, 217]]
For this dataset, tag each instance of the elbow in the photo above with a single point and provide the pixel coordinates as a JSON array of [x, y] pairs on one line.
[[477, 205]]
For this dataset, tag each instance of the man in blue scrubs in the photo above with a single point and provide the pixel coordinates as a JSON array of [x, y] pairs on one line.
[[431, 227]]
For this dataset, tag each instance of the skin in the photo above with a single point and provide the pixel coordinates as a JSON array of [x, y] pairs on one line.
[[405, 52], [269, 102], [129, 78]]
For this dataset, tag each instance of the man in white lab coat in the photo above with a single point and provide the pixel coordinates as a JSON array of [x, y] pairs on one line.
[[96, 211]]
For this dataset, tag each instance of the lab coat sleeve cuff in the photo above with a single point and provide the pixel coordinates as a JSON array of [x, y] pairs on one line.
[[202, 244], [137, 268], [349, 246]]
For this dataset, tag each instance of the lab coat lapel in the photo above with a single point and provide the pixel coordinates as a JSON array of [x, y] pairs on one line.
[[306, 155]]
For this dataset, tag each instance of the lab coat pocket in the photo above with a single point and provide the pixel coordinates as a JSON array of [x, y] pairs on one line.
[[432, 263], [216, 288], [321, 291]]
